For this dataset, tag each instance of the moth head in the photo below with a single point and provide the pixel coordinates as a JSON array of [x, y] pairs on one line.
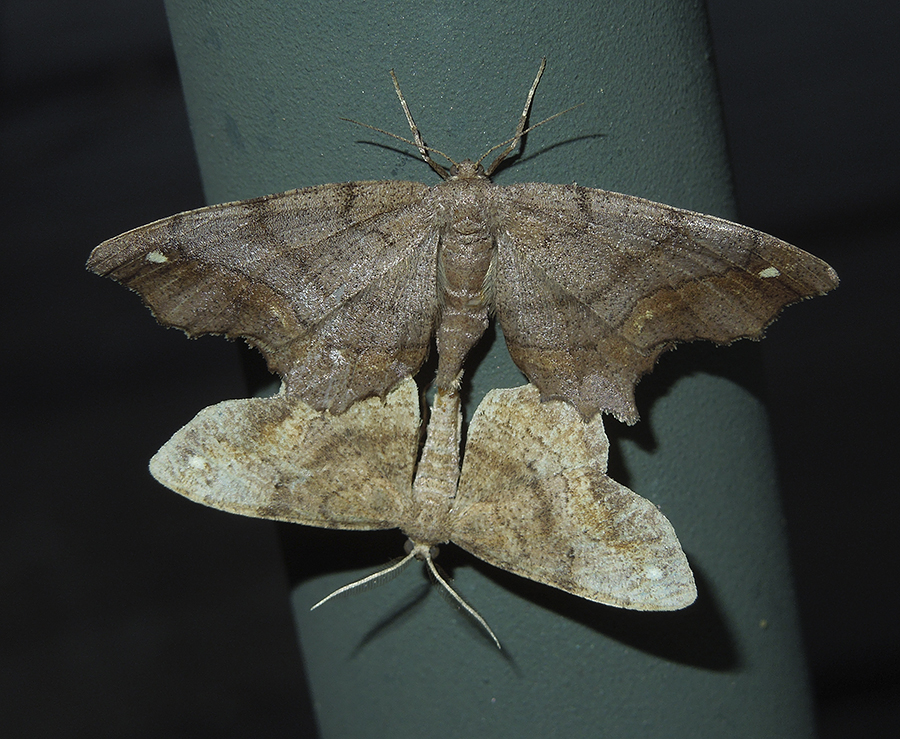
[[466, 170]]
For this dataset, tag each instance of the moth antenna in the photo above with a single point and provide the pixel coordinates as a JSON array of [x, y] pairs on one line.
[[457, 598], [496, 163], [420, 143], [376, 578], [424, 149], [520, 129], [405, 141]]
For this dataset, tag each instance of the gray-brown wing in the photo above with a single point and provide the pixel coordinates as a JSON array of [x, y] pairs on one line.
[[534, 499], [334, 284], [269, 458], [591, 286]]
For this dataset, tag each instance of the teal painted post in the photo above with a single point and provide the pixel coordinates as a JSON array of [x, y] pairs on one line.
[[265, 84]]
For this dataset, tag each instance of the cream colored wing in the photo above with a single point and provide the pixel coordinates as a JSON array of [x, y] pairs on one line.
[[534, 499], [268, 458]]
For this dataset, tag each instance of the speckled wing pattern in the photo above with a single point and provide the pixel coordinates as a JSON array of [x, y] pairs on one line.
[[533, 496], [342, 286], [534, 499], [591, 286], [334, 284]]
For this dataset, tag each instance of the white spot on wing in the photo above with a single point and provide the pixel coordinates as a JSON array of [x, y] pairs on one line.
[[198, 463], [157, 257], [770, 272]]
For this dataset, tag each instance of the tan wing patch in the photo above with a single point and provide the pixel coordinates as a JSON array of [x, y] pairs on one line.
[[269, 458], [534, 498]]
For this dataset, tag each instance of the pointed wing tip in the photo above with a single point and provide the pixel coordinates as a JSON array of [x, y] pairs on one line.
[[673, 596], [107, 255], [96, 258], [678, 589], [683, 596], [672, 591], [164, 468], [833, 281]]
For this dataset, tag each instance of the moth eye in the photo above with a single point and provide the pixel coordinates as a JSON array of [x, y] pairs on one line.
[[434, 551], [408, 547]]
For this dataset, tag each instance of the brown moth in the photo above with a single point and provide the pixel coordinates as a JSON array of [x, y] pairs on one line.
[[533, 496], [342, 286]]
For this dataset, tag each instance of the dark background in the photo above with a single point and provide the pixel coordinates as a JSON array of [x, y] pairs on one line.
[[130, 612]]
